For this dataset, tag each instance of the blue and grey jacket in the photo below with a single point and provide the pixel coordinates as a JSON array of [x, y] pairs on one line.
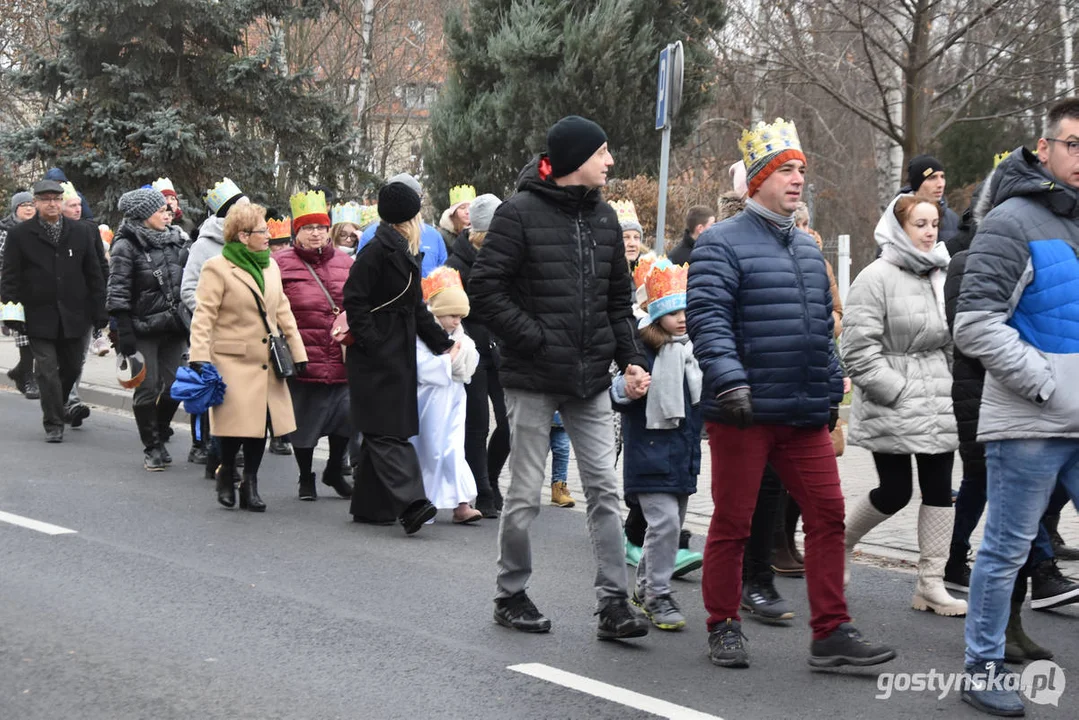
[[1018, 306]]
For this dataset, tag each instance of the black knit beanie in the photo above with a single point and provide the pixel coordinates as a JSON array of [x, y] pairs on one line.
[[398, 203], [571, 141], [920, 169]]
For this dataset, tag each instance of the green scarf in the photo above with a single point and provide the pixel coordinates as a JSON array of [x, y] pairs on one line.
[[253, 262]]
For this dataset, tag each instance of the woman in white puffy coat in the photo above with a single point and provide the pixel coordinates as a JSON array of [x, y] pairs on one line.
[[898, 352]]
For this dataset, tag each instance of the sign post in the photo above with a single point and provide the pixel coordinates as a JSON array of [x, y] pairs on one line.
[[668, 102]]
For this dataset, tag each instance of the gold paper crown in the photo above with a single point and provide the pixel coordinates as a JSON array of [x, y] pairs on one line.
[[69, 191], [666, 279], [998, 159], [627, 212], [306, 204], [767, 139], [439, 279], [279, 228], [368, 215], [644, 266], [349, 212], [221, 193], [162, 184], [462, 194]]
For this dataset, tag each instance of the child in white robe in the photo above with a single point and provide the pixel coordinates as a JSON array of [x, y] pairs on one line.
[[447, 478]]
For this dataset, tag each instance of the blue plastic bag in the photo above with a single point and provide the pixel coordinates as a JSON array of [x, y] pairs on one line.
[[198, 391]]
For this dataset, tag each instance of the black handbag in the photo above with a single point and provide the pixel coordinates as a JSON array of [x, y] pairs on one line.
[[280, 355]]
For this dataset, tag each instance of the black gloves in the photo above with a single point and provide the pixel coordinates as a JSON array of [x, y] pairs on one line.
[[833, 418], [196, 366], [16, 325], [125, 334], [301, 369], [736, 407]]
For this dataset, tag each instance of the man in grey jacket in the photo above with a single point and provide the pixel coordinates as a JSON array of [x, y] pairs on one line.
[[1018, 314]]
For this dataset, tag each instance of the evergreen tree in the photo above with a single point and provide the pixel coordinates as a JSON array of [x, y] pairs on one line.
[[191, 89], [517, 66]]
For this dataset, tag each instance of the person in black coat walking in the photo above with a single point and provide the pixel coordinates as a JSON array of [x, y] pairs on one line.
[[552, 283], [145, 274], [22, 209], [484, 457], [386, 313], [51, 268], [698, 219]]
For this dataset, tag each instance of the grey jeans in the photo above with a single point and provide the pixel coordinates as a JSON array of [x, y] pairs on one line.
[[590, 425], [73, 397], [665, 513]]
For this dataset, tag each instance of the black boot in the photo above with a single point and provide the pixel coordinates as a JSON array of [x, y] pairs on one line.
[[333, 477], [307, 486], [1060, 550], [280, 446], [145, 420], [166, 410], [249, 494], [226, 485]]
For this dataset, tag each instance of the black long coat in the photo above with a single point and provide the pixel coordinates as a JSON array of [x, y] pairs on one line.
[[59, 284], [386, 313]]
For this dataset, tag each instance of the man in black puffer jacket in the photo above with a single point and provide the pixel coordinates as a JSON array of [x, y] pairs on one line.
[[552, 283]]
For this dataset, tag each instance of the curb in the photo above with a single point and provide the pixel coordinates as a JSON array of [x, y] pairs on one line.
[[99, 395]]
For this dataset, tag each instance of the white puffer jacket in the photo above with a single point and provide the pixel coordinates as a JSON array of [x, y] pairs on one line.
[[897, 349]]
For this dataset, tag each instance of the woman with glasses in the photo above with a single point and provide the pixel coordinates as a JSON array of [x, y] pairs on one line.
[[314, 273], [239, 293], [345, 231]]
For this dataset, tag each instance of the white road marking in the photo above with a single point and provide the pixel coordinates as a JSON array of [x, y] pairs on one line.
[[41, 527], [613, 693]]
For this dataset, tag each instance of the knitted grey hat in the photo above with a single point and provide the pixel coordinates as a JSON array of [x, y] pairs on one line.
[[19, 198], [141, 204], [407, 179], [482, 211]]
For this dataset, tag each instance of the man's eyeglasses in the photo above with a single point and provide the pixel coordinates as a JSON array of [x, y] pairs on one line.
[[314, 228], [1071, 145]]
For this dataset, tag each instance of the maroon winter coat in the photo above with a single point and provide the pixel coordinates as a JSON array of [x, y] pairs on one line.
[[314, 316]]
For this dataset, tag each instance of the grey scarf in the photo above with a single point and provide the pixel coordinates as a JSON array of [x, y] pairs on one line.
[[783, 222], [147, 235], [674, 365]]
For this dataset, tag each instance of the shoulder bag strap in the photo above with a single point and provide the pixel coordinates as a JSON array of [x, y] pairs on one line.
[[391, 302], [262, 313], [333, 305]]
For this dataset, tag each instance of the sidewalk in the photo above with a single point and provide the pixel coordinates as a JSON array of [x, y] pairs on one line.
[[895, 540]]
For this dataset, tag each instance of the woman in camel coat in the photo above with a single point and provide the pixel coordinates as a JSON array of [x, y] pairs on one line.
[[227, 330]]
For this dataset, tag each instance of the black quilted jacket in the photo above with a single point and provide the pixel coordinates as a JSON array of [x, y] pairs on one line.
[[144, 281], [968, 375], [552, 283]]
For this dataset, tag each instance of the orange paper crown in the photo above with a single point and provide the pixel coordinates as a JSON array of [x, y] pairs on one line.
[[441, 278], [279, 228], [644, 266], [666, 286]]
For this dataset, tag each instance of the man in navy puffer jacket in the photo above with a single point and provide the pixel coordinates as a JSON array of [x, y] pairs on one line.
[[760, 317]]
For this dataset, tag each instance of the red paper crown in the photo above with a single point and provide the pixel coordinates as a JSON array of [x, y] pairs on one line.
[[441, 278]]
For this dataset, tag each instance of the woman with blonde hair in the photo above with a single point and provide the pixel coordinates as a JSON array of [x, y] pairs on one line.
[[386, 313], [240, 303]]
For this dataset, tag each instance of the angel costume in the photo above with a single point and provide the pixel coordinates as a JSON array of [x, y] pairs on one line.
[[441, 443]]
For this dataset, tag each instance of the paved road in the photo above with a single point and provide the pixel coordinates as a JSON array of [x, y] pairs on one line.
[[164, 605]]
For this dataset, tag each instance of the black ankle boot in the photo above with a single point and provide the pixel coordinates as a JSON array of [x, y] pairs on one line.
[[226, 486], [249, 494], [307, 486]]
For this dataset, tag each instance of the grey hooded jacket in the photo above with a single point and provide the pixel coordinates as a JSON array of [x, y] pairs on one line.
[[1018, 306], [209, 245], [897, 349]]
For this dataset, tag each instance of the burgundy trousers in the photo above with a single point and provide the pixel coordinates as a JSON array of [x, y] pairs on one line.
[[805, 461]]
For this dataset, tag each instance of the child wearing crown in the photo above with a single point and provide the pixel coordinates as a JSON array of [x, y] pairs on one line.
[[447, 478], [662, 433]]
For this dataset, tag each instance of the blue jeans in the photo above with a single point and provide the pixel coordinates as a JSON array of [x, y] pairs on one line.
[[1022, 475], [559, 454]]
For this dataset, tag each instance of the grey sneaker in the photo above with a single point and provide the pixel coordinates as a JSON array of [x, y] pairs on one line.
[[664, 613], [727, 645], [762, 602]]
